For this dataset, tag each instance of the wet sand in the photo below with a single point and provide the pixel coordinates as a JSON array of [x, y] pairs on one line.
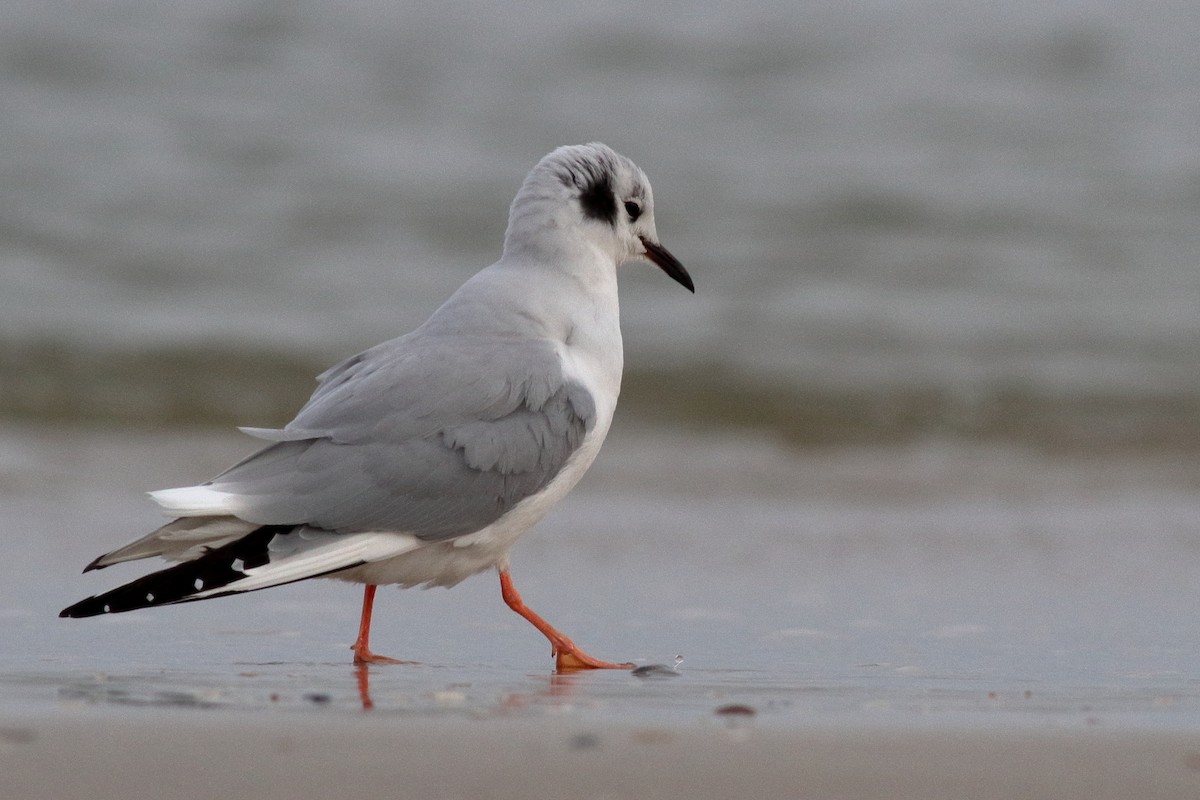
[[65, 757], [937, 620]]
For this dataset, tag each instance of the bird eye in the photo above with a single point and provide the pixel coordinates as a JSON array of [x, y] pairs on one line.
[[633, 210]]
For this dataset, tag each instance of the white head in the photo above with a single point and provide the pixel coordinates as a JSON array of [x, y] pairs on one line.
[[588, 195]]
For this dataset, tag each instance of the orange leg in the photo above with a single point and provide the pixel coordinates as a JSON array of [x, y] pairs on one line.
[[363, 678], [362, 652], [567, 654]]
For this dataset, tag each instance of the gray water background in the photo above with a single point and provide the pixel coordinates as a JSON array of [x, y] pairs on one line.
[[923, 442], [931, 216]]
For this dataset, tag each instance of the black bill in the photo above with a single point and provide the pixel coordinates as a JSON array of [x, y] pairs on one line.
[[668, 263]]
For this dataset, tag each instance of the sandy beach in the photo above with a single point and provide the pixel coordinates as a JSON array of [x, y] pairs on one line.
[[169, 756], [895, 630]]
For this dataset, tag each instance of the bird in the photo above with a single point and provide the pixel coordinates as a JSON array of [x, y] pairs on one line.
[[422, 460]]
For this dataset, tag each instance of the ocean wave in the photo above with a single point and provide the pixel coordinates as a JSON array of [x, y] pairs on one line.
[[225, 386]]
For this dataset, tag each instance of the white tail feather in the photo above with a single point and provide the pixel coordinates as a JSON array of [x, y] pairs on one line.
[[196, 501]]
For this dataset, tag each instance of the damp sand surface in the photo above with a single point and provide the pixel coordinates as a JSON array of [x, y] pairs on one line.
[[931, 620]]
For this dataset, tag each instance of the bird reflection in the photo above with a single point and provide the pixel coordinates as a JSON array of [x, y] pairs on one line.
[[558, 684]]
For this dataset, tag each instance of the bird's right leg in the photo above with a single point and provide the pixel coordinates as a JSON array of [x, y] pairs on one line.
[[567, 655], [362, 652]]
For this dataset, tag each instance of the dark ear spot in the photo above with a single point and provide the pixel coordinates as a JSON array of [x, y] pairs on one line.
[[598, 200]]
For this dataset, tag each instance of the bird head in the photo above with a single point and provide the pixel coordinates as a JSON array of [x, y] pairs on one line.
[[593, 194]]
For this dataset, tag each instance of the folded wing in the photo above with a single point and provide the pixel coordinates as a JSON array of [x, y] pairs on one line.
[[415, 436]]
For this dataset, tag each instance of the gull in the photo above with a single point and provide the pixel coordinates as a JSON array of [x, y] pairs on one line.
[[420, 461]]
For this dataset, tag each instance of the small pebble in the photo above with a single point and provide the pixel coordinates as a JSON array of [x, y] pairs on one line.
[[14, 735], [583, 741], [655, 671], [735, 710]]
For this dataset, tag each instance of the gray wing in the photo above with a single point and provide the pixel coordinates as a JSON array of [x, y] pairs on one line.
[[421, 435]]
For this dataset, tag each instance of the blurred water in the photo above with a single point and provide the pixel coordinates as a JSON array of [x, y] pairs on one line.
[[987, 211]]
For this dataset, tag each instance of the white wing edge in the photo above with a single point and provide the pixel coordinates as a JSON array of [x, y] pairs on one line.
[[321, 553]]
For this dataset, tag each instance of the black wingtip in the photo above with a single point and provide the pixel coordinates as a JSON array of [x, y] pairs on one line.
[[81, 609], [216, 569]]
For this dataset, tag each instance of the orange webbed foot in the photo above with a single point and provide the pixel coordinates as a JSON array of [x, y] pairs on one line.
[[364, 656], [574, 659]]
